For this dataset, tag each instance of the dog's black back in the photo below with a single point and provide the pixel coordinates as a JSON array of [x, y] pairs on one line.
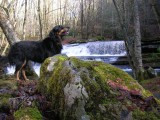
[[36, 51]]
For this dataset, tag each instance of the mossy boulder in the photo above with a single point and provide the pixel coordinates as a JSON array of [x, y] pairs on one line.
[[91, 90]]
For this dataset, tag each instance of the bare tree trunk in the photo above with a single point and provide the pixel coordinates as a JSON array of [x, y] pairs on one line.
[[33, 21], [3, 53], [82, 19], [124, 30], [135, 53], [7, 28], [58, 16], [126, 36], [102, 18], [88, 20], [2, 40], [40, 21], [24, 21], [93, 18], [45, 17], [137, 43], [60, 11], [155, 10], [64, 12]]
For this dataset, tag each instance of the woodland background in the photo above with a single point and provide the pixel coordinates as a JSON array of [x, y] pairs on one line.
[[87, 18], [134, 21]]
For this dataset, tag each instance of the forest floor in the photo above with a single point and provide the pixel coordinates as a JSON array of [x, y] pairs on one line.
[[153, 85], [27, 91], [15, 93]]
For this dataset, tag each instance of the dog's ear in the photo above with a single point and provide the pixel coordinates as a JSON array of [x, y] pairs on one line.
[[57, 28], [54, 31], [51, 34]]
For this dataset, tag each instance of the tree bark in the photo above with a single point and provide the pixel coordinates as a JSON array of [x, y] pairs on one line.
[[40, 21], [7, 28], [82, 19], [155, 10], [124, 30], [137, 43], [24, 21], [64, 12], [134, 54]]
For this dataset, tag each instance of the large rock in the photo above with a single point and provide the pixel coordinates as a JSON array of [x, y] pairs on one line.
[[90, 90]]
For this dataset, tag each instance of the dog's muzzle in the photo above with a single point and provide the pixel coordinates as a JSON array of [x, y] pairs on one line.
[[64, 31]]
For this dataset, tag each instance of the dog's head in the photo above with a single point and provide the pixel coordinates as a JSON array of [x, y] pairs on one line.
[[59, 31]]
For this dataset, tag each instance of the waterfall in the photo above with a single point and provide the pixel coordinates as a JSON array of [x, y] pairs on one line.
[[105, 48]]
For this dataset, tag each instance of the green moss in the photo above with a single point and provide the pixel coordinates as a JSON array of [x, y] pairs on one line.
[[61, 57], [44, 67], [142, 115], [146, 81], [153, 57], [103, 72], [100, 38], [28, 114], [95, 76], [158, 49], [4, 98], [54, 81], [9, 84], [4, 102], [44, 71], [45, 74]]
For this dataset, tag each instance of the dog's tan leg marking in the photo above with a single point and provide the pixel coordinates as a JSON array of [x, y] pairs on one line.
[[23, 71], [24, 74], [17, 75]]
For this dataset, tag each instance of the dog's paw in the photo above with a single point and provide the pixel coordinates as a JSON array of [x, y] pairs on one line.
[[27, 79]]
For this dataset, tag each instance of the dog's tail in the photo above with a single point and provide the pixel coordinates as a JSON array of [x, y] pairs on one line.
[[3, 60]]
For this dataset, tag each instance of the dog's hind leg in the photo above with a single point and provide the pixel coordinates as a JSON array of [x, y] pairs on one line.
[[19, 67], [24, 72], [17, 72]]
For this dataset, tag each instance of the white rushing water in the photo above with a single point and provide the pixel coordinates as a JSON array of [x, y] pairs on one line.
[[11, 69], [107, 48]]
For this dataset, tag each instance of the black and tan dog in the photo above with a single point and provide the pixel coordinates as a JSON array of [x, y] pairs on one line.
[[21, 52]]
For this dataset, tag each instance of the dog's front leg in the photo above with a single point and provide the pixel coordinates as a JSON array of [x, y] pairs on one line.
[[21, 67]]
